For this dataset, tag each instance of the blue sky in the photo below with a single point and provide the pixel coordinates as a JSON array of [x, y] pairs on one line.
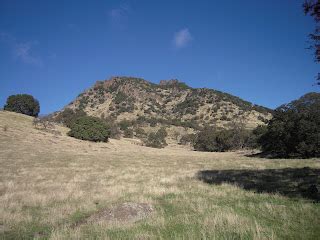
[[253, 49]]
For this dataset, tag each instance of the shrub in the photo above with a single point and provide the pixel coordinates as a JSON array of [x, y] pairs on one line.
[[140, 132], [113, 129], [5, 128], [212, 140], [90, 128], [294, 130], [23, 103], [187, 139], [157, 139], [68, 116], [128, 133], [124, 124]]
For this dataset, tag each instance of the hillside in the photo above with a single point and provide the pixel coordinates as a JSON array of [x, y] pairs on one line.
[[170, 102], [56, 187]]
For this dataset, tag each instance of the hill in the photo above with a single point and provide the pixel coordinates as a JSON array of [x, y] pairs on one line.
[[170, 102], [56, 187]]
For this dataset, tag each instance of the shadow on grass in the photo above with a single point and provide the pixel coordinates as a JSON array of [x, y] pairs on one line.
[[290, 182]]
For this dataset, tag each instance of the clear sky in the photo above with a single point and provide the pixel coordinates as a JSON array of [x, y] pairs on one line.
[[54, 49]]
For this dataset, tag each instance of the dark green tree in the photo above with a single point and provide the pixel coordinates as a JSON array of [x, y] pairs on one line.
[[157, 139], [294, 130], [312, 8], [23, 103], [90, 129], [68, 116], [211, 140]]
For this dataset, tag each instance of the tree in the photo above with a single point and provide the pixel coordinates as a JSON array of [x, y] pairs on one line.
[[294, 130], [23, 103], [157, 139], [312, 8], [211, 140], [90, 128], [68, 116]]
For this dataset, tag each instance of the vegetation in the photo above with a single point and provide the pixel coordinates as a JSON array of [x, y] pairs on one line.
[[312, 7], [113, 128], [23, 103], [187, 139], [90, 129], [128, 133], [52, 189], [294, 130], [236, 137], [157, 139], [68, 116]]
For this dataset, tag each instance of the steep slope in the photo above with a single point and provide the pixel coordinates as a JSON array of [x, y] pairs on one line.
[[171, 101]]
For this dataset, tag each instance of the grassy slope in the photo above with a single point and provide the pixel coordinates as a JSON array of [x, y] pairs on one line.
[[48, 183]]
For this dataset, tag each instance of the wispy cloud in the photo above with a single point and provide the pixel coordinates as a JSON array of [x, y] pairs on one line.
[[119, 16], [22, 51], [182, 38]]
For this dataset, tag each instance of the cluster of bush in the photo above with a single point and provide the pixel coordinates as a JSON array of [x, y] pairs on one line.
[[211, 139], [294, 131], [85, 127], [157, 139]]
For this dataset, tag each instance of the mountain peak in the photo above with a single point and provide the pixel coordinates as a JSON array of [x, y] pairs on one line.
[[173, 101]]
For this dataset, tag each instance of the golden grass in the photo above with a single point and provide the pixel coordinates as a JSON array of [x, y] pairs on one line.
[[49, 182]]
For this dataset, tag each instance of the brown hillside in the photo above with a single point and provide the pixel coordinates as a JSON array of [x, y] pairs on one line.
[[172, 102]]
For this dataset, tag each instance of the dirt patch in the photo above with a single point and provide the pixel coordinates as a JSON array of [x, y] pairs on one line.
[[123, 213]]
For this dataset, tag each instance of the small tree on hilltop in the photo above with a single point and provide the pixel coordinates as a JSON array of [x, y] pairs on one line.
[[23, 103]]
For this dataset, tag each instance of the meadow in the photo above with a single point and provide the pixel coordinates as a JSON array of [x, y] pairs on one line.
[[55, 187]]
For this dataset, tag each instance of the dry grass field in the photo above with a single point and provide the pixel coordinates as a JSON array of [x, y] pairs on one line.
[[56, 187]]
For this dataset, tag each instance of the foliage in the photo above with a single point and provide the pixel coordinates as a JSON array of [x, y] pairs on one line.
[[235, 138], [120, 97], [157, 139], [90, 128], [187, 139], [125, 124], [113, 128], [68, 116], [312, 7], [23, 103], [140, 132], [294, 130], [128, 133], [210, 140]]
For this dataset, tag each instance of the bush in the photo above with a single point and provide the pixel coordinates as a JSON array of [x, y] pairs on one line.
[[125, 124], [294, 130], [128, 133], [187, 139], [212, 140], [157, 139], [90, 129], [23, 103], [113, 129], [140, 132], [68, 116]]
